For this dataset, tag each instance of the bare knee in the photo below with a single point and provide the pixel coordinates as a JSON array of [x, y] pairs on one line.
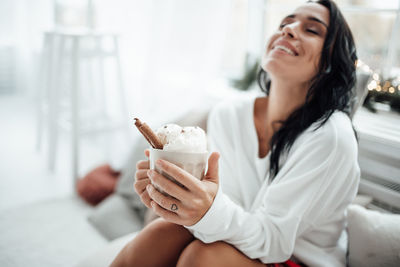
[[197, 254], [159, 237], [160, 226]]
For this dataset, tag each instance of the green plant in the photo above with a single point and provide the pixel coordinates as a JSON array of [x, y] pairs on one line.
[[249, 75]]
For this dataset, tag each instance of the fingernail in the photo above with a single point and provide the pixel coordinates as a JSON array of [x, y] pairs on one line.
[[152, 204], [148, 187], [149, 172], [159, 162]]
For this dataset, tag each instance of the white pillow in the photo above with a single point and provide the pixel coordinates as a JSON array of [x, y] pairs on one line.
[[114, 217], [374, 238]]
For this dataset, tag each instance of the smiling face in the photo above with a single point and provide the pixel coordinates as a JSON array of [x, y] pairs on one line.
[[294, 51]]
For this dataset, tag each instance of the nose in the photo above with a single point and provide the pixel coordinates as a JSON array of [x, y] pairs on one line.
[[290, 30]]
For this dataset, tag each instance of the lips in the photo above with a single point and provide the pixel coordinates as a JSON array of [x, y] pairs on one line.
[[286, 47]]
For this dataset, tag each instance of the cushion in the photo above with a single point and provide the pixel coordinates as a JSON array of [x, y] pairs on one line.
[[125, 184], [362, 200], [114, 217], [97, 184], [374, 238]]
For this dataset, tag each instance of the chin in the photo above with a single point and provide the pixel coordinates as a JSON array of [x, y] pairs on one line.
[[278, 69], [274, 67]]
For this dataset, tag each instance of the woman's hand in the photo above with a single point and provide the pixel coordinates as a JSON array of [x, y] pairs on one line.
[[185, 206], [142, 179]]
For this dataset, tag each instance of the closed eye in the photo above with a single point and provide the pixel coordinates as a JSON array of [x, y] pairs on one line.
[[281, 26], [312, 31]]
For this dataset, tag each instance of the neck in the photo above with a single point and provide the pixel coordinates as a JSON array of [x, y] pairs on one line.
[[284, 97]]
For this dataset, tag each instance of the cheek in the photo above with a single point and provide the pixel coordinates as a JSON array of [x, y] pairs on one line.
[[315, 63], [315, 59], [310, 64]]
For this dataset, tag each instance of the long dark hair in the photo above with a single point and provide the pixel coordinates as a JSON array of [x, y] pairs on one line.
[[331, 89]]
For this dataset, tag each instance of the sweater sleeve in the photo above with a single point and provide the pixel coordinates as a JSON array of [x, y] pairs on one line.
[[289, 205], [221, 140]]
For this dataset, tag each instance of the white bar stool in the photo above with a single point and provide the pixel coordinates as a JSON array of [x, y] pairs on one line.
[[66, 91]]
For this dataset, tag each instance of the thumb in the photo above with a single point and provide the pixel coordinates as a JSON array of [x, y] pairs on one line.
[[212, 172]]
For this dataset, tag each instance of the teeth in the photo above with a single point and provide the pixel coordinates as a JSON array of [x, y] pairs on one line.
[[284, 48]]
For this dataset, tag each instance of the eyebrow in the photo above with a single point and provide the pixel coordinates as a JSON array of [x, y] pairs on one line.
[[309, 18]]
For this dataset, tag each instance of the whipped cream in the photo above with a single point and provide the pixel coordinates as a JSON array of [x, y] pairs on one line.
[[182, 139]]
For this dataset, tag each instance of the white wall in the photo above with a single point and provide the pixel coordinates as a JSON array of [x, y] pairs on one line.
[[169, 47]]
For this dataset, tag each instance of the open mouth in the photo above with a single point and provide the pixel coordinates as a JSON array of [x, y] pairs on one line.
[[286, 49]]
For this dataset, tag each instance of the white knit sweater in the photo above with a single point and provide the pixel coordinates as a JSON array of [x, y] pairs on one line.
[[302, 213]]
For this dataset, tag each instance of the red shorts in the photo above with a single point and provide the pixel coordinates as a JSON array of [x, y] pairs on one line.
[[287, 263]]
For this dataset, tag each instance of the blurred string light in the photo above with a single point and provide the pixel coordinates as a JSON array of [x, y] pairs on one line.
[[377, 82], [364, 67]]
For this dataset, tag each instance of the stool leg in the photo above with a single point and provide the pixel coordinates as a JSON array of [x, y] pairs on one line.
[[102, 92], [101, 78], [75, 73], [88, 83], [56, 65], [42, 89]]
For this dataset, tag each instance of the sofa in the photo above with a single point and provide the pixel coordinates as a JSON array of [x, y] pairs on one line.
[[373, 236], [68, 232], [373, 239]]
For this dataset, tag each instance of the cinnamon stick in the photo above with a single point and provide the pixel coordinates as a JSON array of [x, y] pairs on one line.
[[148, 133]]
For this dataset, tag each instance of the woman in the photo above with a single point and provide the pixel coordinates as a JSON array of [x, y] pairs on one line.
[[288, 163]]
